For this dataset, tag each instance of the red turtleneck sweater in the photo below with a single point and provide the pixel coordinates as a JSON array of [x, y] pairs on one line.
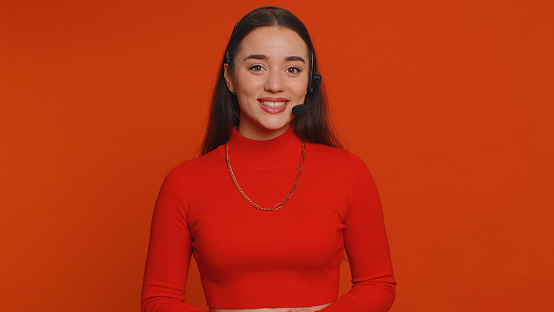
[[250, 258]]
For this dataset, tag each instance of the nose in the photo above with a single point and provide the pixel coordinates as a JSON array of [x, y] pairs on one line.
[[274, 82]]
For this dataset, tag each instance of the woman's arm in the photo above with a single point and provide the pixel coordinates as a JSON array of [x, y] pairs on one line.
[[366, 245], [169, 253]]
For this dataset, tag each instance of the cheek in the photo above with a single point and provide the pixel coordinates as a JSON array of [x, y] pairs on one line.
[[299, 87], [249, 85]]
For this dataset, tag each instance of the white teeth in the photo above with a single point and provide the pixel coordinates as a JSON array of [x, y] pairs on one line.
[[273, 104]]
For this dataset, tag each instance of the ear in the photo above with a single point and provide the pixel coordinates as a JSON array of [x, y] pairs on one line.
[[228, 79]]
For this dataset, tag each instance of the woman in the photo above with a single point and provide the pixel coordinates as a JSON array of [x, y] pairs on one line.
[[269, 207]]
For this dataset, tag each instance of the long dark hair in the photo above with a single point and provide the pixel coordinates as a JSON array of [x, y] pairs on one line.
[[314, 126]]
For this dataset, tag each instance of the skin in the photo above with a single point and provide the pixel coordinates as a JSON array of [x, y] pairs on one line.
[[316, 308], [272, 63]]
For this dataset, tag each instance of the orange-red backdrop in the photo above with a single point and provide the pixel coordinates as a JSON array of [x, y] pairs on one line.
[[448, 102]]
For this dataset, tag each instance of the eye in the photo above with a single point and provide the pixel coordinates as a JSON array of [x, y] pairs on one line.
[[293, 70], [256, 68]]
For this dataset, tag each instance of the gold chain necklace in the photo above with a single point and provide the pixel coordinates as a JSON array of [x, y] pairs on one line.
[[289, 195]]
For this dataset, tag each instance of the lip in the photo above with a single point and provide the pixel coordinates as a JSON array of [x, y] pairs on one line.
[[273, 110]]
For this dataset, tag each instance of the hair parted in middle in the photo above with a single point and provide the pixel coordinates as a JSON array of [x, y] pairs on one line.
[[224, 112]]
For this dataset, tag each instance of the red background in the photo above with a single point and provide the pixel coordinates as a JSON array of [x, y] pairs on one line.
[[448, 102]]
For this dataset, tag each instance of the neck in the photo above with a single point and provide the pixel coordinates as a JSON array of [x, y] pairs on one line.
[[263, 154]]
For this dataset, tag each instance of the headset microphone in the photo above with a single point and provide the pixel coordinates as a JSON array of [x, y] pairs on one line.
[[301, 109]]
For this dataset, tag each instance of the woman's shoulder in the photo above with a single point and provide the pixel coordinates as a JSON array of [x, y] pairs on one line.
[[336, 156], [196, 167]]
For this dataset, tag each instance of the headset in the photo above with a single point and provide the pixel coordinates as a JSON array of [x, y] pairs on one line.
[[313, 79]]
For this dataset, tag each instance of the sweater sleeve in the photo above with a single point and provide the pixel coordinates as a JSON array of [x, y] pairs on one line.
[[365, 240], [169, 252]]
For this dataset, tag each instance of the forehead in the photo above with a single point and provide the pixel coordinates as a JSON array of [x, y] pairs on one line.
[[277, 41]]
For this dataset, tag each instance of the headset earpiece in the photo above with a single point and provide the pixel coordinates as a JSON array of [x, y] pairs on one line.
[[313, 79], [227, 57]]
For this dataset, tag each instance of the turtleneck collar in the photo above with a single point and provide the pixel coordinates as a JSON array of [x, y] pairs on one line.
[[267, 154]]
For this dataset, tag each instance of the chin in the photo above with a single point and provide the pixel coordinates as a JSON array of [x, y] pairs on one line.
[[265, 127], [276, 125]]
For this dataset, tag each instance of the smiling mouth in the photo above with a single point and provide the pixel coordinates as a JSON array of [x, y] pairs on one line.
[[273, 104]]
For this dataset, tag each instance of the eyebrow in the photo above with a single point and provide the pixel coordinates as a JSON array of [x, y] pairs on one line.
[[265, 58], [294, 58], [257, 57]]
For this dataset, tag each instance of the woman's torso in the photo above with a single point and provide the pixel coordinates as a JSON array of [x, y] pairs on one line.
[[250, 258]]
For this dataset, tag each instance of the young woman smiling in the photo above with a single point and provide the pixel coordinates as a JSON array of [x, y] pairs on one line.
[[269, 78], [272, 204]]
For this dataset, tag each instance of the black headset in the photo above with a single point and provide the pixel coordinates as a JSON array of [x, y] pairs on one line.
[[313, 79]]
